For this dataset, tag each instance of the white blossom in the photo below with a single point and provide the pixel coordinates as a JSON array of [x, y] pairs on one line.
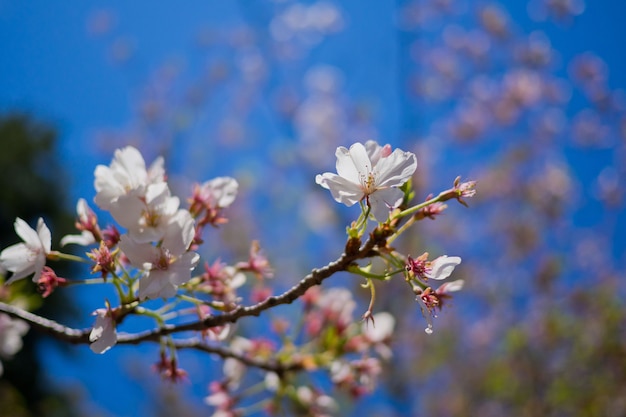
[[146, 218], [167, 265], [11, 333], [219, 192], [379, 332], [373, 176], [127, 174], [28, 257]]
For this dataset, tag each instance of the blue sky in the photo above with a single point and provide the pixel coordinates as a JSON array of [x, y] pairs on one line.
[[51, 67]]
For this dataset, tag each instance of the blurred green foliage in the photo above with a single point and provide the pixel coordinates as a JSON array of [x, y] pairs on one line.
[[32, 186]]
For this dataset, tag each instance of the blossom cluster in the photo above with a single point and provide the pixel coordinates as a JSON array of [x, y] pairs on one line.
[[152, 252]]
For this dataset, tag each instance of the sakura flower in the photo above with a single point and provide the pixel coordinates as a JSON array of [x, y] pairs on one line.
[[210, 198], [373, 177], [11, 333], [379, 333], [439, 268], [28, 257], [103, 334], [126, 174], [87, 223], [169, 264], [337, 306], [218, 192], [148, 216]]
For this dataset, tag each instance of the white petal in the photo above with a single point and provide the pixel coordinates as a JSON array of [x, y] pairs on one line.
[[156, 285], [381, 327], [442, 267], [156, 171], [179, 233], [128, 210], [139, 254], [221, 190], [396, 169], [374, 151], [130, 165], [452, 286], [342, 190], [84, 239], [40, 262], [360, 159], [107, 187], [345, 165], [382, 201], [19, 259], [44, 235], [27, 233]]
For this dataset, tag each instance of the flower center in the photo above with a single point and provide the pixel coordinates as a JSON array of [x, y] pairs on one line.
[[368, 182]]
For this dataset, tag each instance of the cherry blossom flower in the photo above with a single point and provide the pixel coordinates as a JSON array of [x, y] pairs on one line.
[[103, 334], [126, 174], [217, 193], [28, 257], [337, 306], [222, 281], [371, 176], [169, 264], [209, 199], [87, 223], [439, 268], [146, 217], [11, 333], [379, 334]]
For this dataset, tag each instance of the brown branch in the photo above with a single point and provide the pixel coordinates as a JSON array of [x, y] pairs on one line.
[[77, 336], [50, 327], [272, 365]]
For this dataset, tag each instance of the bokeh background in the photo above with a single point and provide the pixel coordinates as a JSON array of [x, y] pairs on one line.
[[525, 97]]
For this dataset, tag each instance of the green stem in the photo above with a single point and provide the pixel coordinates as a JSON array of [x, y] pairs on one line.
[[414, 209], [85, 281], [358, 271], [67, 257], [149, 313]]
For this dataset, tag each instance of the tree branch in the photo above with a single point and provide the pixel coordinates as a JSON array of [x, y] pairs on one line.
[[316, 277]]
